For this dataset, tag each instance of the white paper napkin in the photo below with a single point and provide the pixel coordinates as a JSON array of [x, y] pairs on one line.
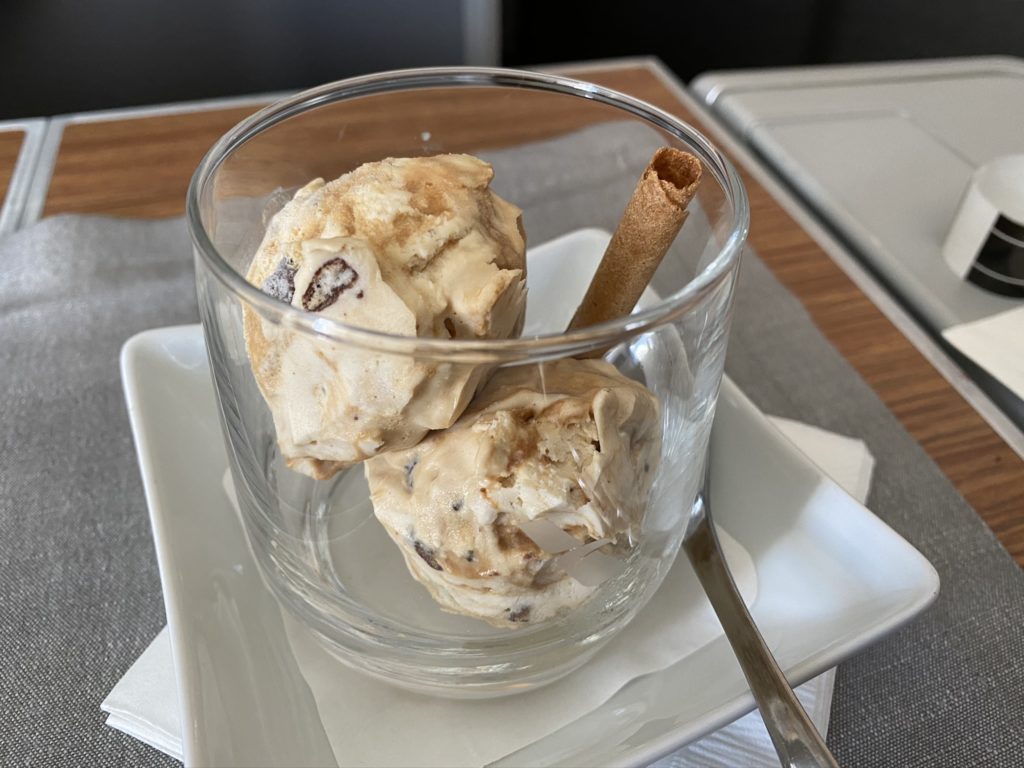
[[144, 704], [995, 343]]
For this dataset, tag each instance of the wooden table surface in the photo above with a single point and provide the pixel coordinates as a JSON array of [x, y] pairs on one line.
[[140, 167], [10, 147]]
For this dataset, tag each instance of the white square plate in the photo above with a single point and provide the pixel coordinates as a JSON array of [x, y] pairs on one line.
[[831, 579]]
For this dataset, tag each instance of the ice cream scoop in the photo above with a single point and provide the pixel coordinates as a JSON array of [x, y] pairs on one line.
[[406, 246], [571, 446]]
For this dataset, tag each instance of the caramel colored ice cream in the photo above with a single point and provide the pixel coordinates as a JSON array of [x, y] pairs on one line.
[[406, 246], [571, 443]]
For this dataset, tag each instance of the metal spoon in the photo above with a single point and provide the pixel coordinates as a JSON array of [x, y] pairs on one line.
[[796, 740]]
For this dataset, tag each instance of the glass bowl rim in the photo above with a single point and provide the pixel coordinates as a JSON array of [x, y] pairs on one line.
[[534, 348]]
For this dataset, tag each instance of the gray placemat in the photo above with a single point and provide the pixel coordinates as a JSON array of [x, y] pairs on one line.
[[79, 589]]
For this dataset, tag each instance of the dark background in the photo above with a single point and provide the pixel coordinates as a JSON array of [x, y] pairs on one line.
[[696, 37], [71, 55]]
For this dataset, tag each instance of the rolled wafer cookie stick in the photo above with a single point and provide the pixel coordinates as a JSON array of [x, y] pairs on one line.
[[652, 219]]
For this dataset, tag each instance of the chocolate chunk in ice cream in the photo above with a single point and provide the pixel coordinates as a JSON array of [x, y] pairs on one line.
[[405, 246], [565, 442]]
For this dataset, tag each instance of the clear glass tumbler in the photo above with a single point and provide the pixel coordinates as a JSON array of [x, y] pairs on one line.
[[569, 154]]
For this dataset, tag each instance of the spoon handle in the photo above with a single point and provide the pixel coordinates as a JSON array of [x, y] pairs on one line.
[[796, 740]]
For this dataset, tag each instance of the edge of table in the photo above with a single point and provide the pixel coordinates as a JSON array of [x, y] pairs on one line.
[[20, 147]]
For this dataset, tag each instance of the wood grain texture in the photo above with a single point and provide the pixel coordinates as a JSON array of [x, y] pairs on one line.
[[138, 167], [141, 167], [10, 146]]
